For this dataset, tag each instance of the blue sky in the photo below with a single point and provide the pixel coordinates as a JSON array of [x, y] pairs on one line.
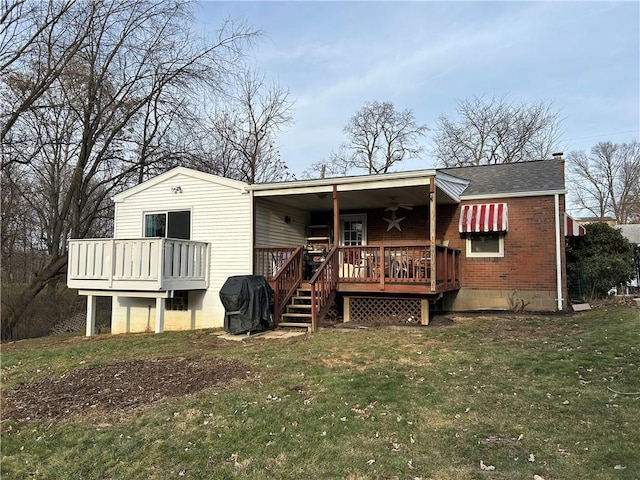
[[333, 57]]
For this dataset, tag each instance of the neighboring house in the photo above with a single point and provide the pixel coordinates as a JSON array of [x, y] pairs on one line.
[[382, 247], [632, 233], [611, 221]]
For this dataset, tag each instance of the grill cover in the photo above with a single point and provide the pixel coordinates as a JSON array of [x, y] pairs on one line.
[[246, 300]]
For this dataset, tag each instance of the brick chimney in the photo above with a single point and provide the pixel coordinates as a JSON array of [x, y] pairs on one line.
[[558, 156]]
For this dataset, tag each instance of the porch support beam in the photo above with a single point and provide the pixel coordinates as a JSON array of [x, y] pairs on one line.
[[336, 217], [91, 316], [159, 315], [432, 230]]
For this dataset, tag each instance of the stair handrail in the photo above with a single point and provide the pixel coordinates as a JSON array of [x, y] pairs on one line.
[[322, 283], [287, 279]]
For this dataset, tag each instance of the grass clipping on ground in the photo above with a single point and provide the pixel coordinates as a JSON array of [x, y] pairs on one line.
[[492, 396]]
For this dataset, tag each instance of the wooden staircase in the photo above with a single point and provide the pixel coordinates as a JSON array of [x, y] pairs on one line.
[[298, 311]]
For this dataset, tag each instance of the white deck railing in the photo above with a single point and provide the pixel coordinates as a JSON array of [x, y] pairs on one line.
[[147, 264]]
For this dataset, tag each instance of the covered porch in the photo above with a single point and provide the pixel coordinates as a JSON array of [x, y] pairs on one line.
[[365, 236]]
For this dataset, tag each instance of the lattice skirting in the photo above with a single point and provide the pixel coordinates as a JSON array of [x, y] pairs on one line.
[[385, 310]]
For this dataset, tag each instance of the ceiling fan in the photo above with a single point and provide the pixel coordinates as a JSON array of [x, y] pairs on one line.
[[394, 206]]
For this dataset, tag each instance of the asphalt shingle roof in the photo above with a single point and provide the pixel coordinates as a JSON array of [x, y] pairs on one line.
[[508, 178]]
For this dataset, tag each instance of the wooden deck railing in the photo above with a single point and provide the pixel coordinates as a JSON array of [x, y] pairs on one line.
[[269, 260], [147, 264], [447, 268], [323, 285], [285, 282], [400, 264]]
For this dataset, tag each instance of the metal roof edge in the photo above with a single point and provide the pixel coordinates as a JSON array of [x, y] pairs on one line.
[[451, 185], [350, 180]]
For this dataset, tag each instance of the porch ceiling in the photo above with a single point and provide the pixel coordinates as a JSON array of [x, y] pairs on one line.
[[359, 199]]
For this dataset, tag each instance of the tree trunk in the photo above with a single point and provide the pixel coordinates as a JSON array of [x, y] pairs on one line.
[[15, 308]]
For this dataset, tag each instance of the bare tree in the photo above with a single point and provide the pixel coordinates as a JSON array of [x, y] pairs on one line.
[[100, 123], [35, 35], [607, 180], [20, 244], [379, 137], [335, 166], [245, 129], [492, 130]]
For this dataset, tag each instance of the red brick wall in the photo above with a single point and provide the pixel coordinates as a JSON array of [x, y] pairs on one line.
[[529, 261], [415, 226]]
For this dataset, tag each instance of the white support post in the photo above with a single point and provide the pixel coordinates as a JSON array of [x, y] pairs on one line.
[[91, 316], [159, 315]]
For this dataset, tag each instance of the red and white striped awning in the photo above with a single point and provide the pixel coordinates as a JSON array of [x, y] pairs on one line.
[[488, 217], [572, 228]]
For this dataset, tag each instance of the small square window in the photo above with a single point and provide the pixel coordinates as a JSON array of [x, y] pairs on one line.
[[179, 302], [489, 244]]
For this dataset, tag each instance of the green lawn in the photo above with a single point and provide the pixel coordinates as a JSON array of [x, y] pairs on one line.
[[557, 397]]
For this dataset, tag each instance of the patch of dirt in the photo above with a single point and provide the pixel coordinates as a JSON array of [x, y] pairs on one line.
[[118, 386]]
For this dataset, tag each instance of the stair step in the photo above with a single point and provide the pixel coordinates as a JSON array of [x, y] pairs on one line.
[[296, 315], [305, 292], [306, 306], [295, 325], [299, 307], [301, 299]]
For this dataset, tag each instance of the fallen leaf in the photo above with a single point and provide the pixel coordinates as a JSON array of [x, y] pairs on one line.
[[486, 468]]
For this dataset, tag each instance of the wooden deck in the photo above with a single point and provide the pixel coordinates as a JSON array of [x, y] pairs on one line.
[[416, 269], [399, 268], [141, 264]]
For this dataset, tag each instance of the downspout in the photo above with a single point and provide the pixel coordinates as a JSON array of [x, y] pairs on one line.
[[560, 300]]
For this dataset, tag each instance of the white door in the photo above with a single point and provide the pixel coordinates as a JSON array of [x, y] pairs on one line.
[[353, 230]]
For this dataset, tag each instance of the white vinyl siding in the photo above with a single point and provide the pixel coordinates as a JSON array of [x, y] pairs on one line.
[[220, 215], [272, 227]]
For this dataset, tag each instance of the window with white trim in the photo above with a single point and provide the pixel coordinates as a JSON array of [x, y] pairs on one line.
[[487, 244], [168, 224]]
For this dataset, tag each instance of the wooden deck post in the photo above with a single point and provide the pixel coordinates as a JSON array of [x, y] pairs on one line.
[[432, 231], [347, 310], [424, 311], [159, 315], [336, 217], [91, 316]]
